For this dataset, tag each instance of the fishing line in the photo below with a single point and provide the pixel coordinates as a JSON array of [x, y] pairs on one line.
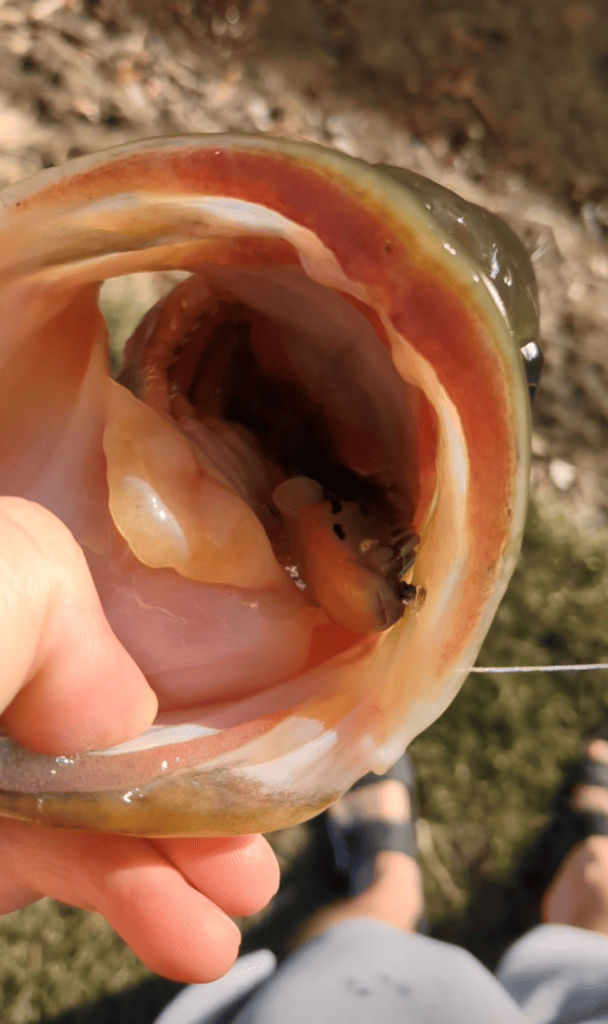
[[542, 668]]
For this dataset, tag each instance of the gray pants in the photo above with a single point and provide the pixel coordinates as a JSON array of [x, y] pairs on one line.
[[365, 972]]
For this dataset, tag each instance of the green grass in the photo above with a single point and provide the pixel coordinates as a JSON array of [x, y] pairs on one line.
[[489, 766], [52, 956], [487, 769]]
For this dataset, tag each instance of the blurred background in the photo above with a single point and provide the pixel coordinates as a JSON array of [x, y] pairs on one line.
[[507, 104]]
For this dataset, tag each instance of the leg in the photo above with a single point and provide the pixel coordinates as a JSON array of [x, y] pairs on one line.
[[209, 1004], [360, 959], [559, 971], [368, 971]]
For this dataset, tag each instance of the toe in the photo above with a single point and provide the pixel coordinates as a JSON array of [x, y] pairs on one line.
[[597, 750]]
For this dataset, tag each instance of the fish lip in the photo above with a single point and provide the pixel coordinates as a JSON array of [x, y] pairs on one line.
[[479, 293]]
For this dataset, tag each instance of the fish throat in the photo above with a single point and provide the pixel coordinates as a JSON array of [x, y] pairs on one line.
[[290, 426]]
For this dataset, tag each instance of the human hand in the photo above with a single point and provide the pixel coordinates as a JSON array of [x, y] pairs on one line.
[[67, 685]]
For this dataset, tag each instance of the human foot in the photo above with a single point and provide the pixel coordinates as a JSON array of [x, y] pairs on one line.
[[578, 894], [367, 843], [375, 817]]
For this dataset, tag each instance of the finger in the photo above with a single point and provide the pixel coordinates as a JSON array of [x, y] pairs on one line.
[[240, 875], [66, 683], [174, 929]]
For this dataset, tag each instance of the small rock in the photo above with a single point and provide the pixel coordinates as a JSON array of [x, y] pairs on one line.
[[45, 8], [19, 44], [17, 128], [259, 112], [540, 446], [11, 169], [577, 291], [598, 265], [562, 473], [87, 108], [218, 26], [11, 16], [578, 17]]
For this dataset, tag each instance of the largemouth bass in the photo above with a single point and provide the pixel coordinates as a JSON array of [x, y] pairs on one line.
[[303, 498]]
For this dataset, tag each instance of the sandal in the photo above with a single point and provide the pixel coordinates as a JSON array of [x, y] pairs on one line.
[[348, 841], [323, 872], [566, 828]]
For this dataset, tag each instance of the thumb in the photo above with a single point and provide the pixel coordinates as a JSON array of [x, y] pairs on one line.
[[66, 683]]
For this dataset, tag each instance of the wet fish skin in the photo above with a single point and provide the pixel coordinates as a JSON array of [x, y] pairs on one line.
[[453, 297]]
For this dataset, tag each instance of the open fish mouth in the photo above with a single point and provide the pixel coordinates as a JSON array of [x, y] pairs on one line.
[[303, 498]]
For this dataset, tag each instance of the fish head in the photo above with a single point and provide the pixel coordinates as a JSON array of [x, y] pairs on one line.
[[302, 499]]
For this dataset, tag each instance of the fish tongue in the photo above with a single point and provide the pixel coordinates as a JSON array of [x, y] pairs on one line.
[[198, 644], [174, 506]]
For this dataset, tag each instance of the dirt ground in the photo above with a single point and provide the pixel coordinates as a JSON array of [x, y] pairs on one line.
[[525, 82], [507, 103]]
